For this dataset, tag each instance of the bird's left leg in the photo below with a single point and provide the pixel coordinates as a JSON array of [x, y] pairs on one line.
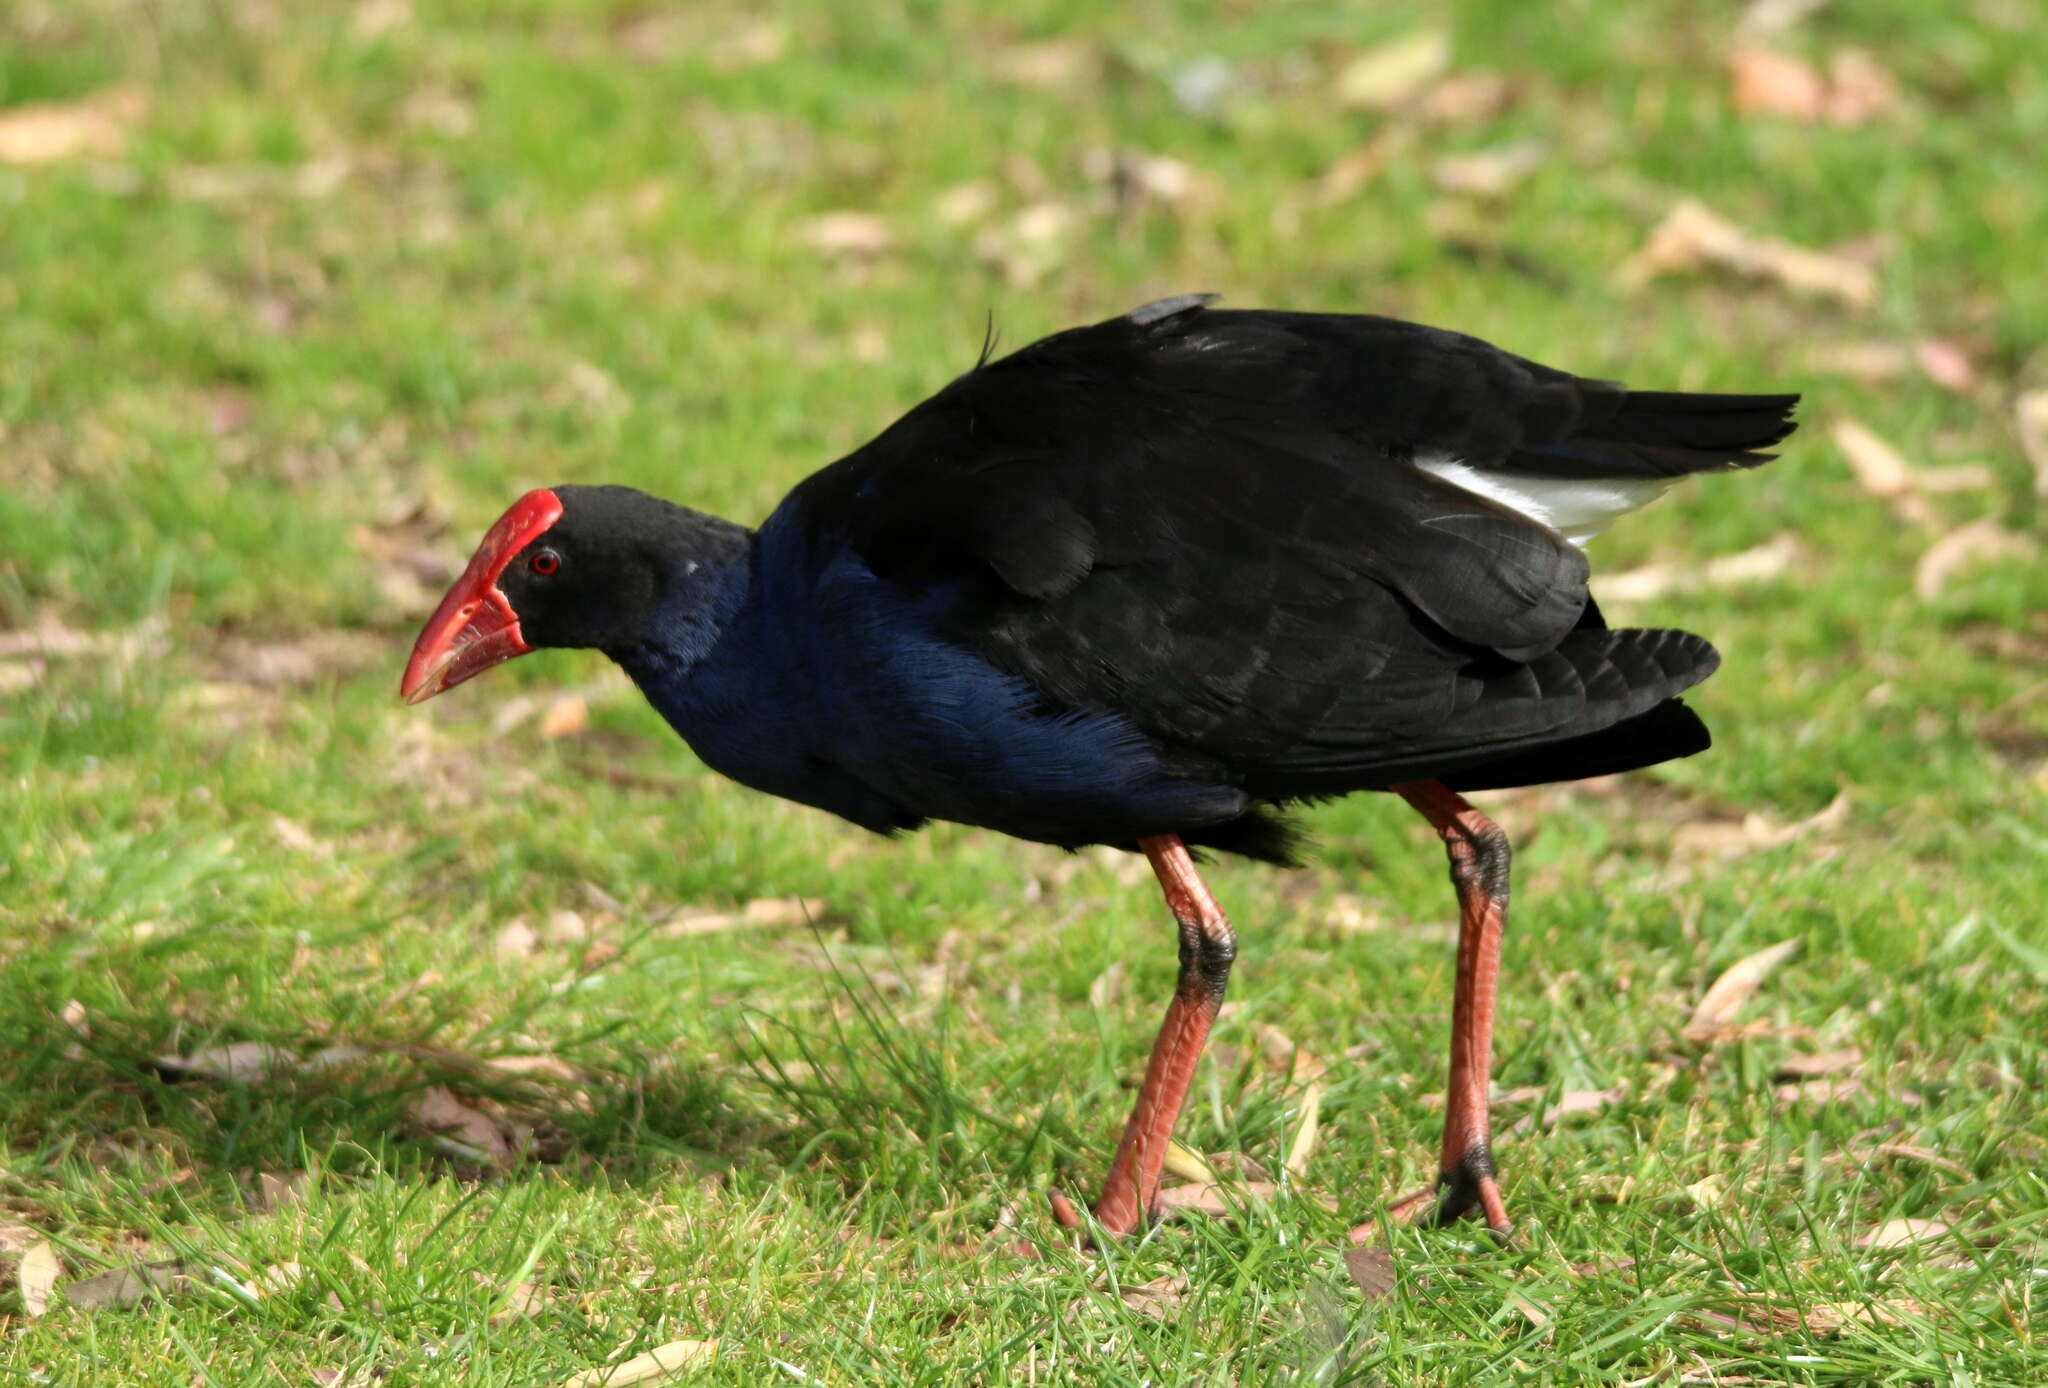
[[1207, 948], [1479, 856]]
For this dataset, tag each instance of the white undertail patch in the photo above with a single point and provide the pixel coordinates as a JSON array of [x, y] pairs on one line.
[[1576, 507]]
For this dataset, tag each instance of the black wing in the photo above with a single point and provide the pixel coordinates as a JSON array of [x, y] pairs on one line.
[[1213, 523]]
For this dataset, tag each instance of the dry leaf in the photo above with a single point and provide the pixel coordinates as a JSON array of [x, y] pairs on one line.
[[1694, 237], [516, 939], [240, 1062], [565, 716], [1361, 166], [1828, 1089], [1859, 89], [1372, 1269], [967, 204], [122, 1288], [2030, 418], [1303, 1147], [1766, 17], [1818, 1066], [762, 911], [1158, 1299], [1912, 1152], [1187, 1165], [1767, 82], [1881, 470], [275, 1191], [1947, 365], [1725, 997], [1979, 542], [46, 132], [1107, 986], [1028, 246], [1577, 1101], [1756, 831], [460, 1129], [35, 1275], [1709, 1191], [1465, 99], [1490, 173], [1051, 63], [665, 1361], [522, 1301], [1899, 1233], [1761, 563], [1211, 1198], [278, 1278], [1393, 74], [853, 234]]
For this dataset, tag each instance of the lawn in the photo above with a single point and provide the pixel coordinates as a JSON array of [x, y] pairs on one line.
[[495, 1041]]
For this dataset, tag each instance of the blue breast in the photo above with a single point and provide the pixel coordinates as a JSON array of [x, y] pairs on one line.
[[832, 687]]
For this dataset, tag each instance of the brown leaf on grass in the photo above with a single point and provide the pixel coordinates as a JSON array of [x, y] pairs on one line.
[[1759, 564], [1577, 1101], [18, 1238], [1881, 470], [34, 1277], [238, 1062], [850, 234], [1307, 1130], [1819, 1065], [1187, 1165], [516, 939], [1736, 985], [967, 204], [1136, 179], [566, 716], [1031, 244], [1215, 1198], [1372, 1271], [664, 1361], [1107, 987], [1393, 74], [1765, 81], [1762, 18], [761, 912], [276, 1190], [522, 1301], [1859, 89], [459, 1129], [301, 660], [1979, 542], [118, 1289], [1907, 1151], [1158, 1299], [1694, 237], [1490, 173], [2030, 418], [1754, 831], [1052, 63], [1351, 172], [1827, 1089], [1947, 364], [48, 132], [1901, 1233], [1465, 99]]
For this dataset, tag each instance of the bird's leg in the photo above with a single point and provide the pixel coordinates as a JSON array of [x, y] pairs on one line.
[[1479, 870], [1207, 947]]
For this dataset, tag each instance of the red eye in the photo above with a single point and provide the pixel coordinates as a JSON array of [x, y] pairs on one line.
[[544, 562]]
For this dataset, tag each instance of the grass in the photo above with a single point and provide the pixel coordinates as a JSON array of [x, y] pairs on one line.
[[361, 274]]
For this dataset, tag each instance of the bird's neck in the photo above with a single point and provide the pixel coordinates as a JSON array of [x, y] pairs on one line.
[[704, 577]]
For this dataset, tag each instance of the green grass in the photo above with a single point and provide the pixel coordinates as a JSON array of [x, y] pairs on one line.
[[360, 262]]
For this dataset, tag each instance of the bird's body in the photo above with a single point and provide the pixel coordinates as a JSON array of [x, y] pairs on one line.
[[1148, 582]]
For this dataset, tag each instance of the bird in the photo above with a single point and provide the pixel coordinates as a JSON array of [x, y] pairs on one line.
[[1157, 583]]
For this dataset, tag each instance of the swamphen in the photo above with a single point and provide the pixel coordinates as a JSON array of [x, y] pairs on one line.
[[1148, 583]]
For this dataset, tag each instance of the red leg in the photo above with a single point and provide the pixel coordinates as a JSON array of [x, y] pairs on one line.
[[1479, 870], [1207, 948]]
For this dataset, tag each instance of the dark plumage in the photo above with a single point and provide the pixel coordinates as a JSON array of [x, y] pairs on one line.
[[1153, 580]]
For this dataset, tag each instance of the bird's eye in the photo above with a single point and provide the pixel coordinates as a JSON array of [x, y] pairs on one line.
[[545, 562]]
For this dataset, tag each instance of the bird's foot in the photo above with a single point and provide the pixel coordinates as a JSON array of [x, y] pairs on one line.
[[1114, 1223], [1466, 1187]]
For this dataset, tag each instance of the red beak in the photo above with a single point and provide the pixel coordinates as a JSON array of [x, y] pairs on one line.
[[475, 627]]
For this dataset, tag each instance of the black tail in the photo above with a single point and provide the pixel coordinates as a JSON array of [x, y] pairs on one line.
[[1661, 433]]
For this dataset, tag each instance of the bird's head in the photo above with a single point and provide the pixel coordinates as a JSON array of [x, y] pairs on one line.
[[565, 566]]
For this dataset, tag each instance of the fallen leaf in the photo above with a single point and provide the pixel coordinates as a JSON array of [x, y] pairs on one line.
[[850, 234], [34, 1276], [967, 204], [1756, 831], [278, 1278], [1211, 1198], [1530, 1312], [1158, 1299], [1030, 244], [18, 1238], [1465, 99], [1051, 63], [565, 716], [1899, 1233], [2030, 418], [521, 1301], [1577, 1101], [460, 1129], [1395, 73], [47, 132], [239, 1062], [1108, 984], [276, 1191], [1352, 171], [1947, 365], [1979, 542], [1773, 558], [1694, 237], [665, 1361], [1859, 89], [516, 939], [1303, 1147], [1767, 82], [1766, 17], [1819, 1065], [1137, 179], [1881, 470], [1827, 1089], [120, 1288], [1372, 1271], [1187, 1165], [1490, 173], [1709, 1191], [1736, 985]]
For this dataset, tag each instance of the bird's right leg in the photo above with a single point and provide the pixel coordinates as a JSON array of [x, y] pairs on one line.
[[1479, 855], [1207, 948]]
